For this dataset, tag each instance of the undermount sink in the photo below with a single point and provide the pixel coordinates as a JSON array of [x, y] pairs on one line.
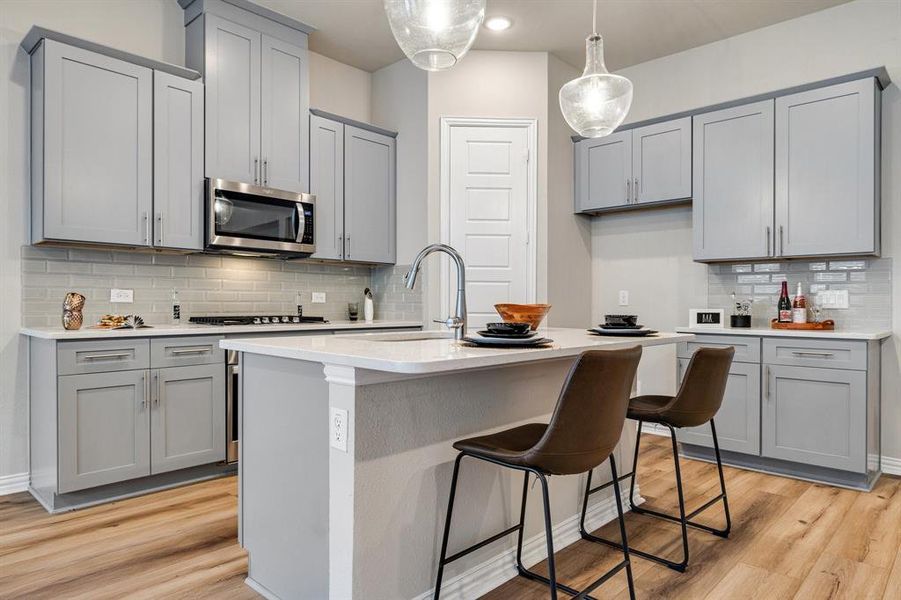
[[413, 336]]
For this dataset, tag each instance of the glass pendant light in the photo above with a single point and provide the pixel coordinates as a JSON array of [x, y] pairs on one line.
[[596, 103], [435, 34]]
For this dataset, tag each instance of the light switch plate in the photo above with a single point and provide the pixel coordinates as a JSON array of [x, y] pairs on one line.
[[318, 297], [126, 296], [337, 428]]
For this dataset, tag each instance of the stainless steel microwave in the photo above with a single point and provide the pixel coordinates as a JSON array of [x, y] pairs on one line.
[[244, 218]]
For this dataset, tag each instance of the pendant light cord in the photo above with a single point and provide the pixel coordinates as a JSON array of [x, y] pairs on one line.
[[594, 19]]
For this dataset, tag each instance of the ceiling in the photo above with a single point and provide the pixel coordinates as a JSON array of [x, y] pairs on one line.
[[356, 32]]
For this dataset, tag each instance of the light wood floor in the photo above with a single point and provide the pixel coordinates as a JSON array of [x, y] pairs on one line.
[[790, 539]]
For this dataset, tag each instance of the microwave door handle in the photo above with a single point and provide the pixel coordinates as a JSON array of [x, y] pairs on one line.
[[300, 224]]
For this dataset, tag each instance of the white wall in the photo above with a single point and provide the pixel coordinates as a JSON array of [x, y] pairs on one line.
[[152, 28], [844, 39]]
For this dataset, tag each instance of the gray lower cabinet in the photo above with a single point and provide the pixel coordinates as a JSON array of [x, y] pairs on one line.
[[92, 150], [827, 170], [732, 209], [815, 416], [104, 432], [187, 423], [738, 420]]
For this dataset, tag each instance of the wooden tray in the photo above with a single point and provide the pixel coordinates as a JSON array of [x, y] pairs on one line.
[[827, 325]]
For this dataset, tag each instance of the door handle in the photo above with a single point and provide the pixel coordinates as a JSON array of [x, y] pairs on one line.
[[341, 244], [767, 240], [256, 171], [766, 383], [781, 242], [145, 389], [348, 247], [146, 227], [156, 388], [194, 350], [266, 172], [820, 354], [159, 228], [111, 355], [636, 190], [628, 191]]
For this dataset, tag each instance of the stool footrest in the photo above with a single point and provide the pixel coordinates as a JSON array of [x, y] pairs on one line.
[[579, 595], [604, 486], [680, 566], [481, 544], [660, 515]]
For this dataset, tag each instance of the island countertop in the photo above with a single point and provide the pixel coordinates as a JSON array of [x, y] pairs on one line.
[[434, 351]]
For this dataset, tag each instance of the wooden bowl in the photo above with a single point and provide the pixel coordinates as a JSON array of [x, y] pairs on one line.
[[532, 314]]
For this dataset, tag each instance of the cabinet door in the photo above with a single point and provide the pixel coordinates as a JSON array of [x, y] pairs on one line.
[[285, 103], [661, 161], [232, 101], [604, 172], [827, 170], [177, 162], [327, 184], [188, 417], [98, 147], [738, 419], [369, 196], [732, 211], [815, 416], [104, 429]]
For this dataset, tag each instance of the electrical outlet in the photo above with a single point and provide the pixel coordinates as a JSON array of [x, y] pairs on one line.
[[624, 297], [318, 297], [337, 428], [126, 296]]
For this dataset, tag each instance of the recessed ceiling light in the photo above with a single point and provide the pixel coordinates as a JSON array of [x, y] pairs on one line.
[[498, 23]]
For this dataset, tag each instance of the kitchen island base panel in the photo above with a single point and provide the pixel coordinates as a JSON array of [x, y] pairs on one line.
[[773, 466], [320, 522]]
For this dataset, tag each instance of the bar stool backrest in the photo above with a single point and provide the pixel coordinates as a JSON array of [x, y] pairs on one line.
[[703, 386], [590, 413]]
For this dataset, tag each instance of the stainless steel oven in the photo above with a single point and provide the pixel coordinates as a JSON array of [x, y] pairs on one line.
[[244, 218], [232, 396]]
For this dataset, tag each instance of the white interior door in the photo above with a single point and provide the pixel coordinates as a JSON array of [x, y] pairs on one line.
[[488, 216]]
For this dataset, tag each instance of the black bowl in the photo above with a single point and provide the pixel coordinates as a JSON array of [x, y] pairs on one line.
[[621, 320], [519, 328]]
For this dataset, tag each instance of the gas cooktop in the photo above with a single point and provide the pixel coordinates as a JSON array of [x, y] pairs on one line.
[[256, 320]]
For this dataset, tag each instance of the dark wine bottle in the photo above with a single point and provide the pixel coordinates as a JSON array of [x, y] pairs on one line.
[[785, 305]]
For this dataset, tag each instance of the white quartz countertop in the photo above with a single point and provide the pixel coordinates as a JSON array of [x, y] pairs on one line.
[[767, 332], [434, 351], [85, 333]]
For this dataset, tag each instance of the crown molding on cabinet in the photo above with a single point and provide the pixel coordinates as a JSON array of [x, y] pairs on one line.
[[347, 121], [193, 9]]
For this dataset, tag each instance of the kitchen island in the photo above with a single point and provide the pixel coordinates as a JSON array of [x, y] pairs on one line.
[[346, 459]]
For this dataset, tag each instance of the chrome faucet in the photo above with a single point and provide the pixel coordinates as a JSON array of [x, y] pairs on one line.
[[458, 321]]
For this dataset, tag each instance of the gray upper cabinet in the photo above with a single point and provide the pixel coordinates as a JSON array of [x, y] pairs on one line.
[[187, 426], [284, 101], [104, 433], [827, 170], [733, 183], [232, 77], [815, 416], [661, 161], [257, 98], [92, 147], [603, 172], [327, 184], [644, 165], [177, 162], [369, 196]]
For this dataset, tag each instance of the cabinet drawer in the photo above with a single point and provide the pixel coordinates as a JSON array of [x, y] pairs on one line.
[[74, 358], [747, 348], [835, 354], [183, 351]]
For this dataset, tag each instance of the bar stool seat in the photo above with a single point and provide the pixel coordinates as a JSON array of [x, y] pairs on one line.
[[649, 408], [583, 432]]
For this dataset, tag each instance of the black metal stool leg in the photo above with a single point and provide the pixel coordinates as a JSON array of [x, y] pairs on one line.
[[522, 521], [719, 466], [635, 466], [549, 535], [450, 508], [622, 528]]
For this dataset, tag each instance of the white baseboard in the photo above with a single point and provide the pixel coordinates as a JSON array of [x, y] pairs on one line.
[[655, 429], [500, 568], [13, 484], [891, 466]]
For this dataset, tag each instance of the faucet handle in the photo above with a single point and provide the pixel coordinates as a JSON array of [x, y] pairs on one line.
[[450, 322]]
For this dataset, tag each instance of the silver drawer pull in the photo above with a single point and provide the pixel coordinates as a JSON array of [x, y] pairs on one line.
[[820, 354], [116, 355], [195, 350]]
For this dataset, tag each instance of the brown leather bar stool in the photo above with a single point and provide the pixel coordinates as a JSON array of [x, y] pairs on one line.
[[698, 400], [584, 430]]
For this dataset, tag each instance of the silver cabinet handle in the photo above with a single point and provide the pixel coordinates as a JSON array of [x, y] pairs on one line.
[[628, 191], [112, 355], [767, 240], [766, 383], [341, 245], [636, 190], [256, 171], [781, 242], [193, 350], [156, 388], [820, 354], [146, 227], [159, 228], [348, 247], [145, 389], [266, 172]]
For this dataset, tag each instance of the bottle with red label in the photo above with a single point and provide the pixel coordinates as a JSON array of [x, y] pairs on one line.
[[785, 305]]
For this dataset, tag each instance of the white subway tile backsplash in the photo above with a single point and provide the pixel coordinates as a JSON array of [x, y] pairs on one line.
[[761, 278], [818, 266], [829, 277], [767, 289], [847, 265], [742, 268], [767, 267]]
